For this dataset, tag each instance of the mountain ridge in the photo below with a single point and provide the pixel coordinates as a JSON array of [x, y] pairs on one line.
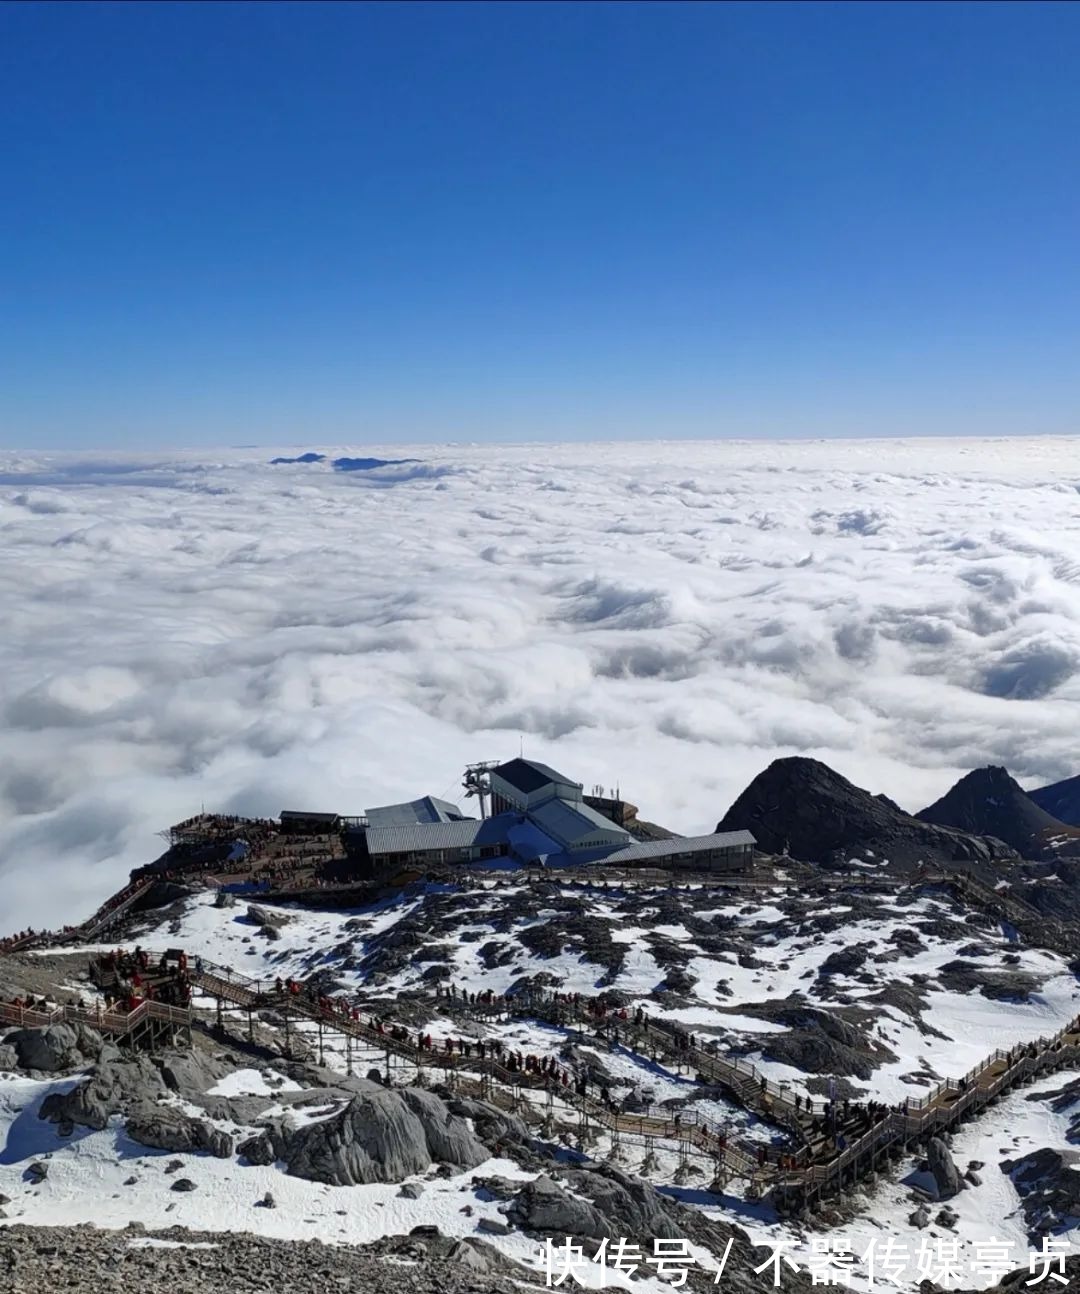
[[988, 801], [804, 808]]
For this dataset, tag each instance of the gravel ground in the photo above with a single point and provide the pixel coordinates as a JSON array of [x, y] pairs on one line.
[[83, 1260]]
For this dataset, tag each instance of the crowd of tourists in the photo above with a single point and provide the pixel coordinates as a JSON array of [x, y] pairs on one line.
[[129, 979]]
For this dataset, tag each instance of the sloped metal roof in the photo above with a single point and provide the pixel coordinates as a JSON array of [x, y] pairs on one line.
[[529, 775], [568, 823], [427, 809], [643, 849], [417, 837]]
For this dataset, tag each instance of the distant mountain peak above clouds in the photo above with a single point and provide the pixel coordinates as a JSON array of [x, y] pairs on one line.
[[343, 464], [989, 801], [1061, 799], [804, 808]]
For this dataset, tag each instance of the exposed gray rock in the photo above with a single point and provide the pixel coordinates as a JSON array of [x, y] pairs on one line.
[[679, 980], [258, 1150], [411, 1190], [113, 1088], [494, 1127], [466, 1255], [192, 1073], [1048, 1182], [58, 1048], [845, 961], [86, 1259], [998, 985], [382, 1135], [267, 917], [163, 1128], [183, 1184], [497, 1188], [544, 1206], [628, 1205], [947, 1176], [822, 1043]]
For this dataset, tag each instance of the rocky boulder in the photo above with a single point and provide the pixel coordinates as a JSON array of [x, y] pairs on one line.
[[113, 1088], [679, 980], [629, 1206], [164, 1128], [267, 918], [820, 1043], [494, 1127], [192, 1073], [845, 961], [258, 1149], [382, 1135], [543, 1205], [1048, 1183], [947, 1177], [56, 1049]]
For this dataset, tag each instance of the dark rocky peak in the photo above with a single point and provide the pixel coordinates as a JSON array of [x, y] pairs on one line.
[[805, 808], [989, 802], [1060, 799]]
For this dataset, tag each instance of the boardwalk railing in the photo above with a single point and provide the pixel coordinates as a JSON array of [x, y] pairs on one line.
[[732, 1158], [114, 1022]]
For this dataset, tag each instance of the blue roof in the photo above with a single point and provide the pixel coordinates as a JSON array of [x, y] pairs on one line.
[[427, 809], [568, 823]]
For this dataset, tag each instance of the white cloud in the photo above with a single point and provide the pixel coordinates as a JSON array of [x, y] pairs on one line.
[[192, 628]]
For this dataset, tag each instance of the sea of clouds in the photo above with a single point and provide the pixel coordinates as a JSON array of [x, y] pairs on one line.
[[180, 630]]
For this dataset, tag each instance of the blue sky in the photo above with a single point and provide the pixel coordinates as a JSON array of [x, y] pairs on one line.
[[373, 223]]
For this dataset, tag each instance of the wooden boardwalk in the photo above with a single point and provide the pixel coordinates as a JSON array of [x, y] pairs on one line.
[[150, 1023], [796, 1177], [818, 1165]]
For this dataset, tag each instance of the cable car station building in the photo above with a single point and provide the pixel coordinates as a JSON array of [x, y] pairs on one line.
[[537, 816]]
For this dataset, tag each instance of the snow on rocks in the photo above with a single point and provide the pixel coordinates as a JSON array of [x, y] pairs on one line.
[[382, 1136]]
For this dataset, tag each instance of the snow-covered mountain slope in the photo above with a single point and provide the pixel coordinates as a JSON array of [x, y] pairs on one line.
[[858, 993], [911, 989], [103, 1178]]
